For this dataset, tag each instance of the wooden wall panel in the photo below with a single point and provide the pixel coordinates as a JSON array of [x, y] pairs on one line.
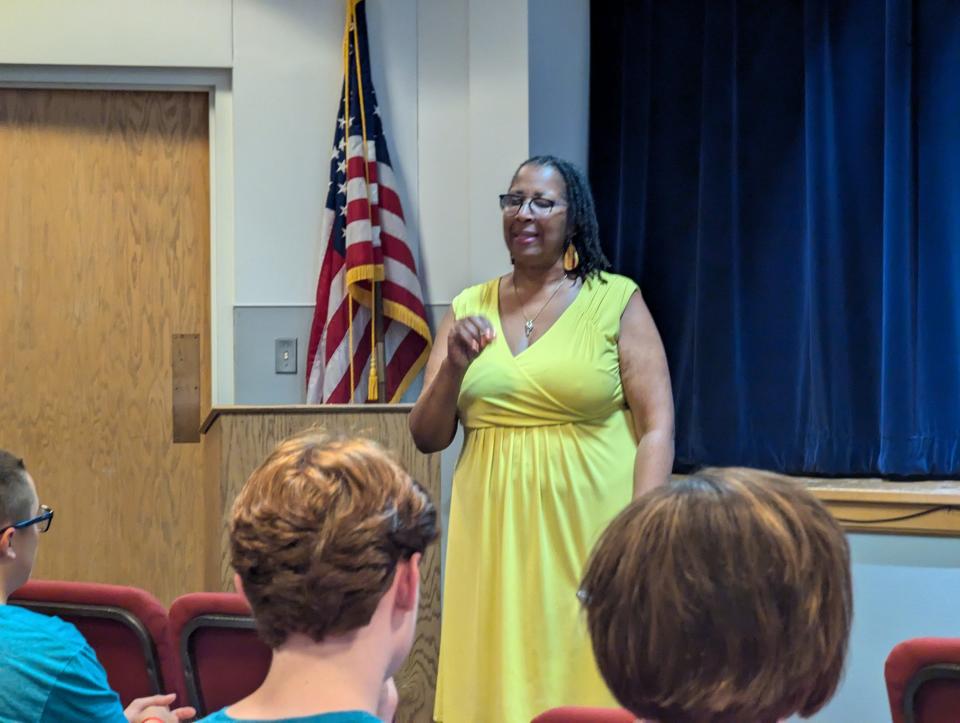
[[244, 437], [104, 225]]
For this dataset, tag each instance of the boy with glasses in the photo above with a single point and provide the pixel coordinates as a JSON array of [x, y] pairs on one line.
[[49, 672]]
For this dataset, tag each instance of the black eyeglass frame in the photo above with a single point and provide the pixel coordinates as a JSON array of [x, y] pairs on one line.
[[539, 205], [46, 515]]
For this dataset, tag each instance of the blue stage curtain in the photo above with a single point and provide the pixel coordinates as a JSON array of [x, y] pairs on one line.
[[783, 180]]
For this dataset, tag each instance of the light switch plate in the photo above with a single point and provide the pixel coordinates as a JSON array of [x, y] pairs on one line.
[[285, 351]]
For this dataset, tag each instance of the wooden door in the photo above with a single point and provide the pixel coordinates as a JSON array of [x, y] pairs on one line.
[[104, 258]]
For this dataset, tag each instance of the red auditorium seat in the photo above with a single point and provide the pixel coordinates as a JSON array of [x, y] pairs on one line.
[[923, 681], [221, 656], [127, 628], [585, 715]]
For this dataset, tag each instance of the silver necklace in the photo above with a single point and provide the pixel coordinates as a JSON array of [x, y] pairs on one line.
[[528, 323]]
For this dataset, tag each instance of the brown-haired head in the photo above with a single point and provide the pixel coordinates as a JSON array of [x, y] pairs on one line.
[[317, 532], [16, 495], [721, 597]]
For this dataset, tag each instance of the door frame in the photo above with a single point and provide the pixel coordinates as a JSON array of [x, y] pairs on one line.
[[218, 84]]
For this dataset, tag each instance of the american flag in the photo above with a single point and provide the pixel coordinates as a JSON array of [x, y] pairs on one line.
[[365, 236]]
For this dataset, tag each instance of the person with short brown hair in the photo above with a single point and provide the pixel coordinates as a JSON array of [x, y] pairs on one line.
[[722, 597], [326, 538]]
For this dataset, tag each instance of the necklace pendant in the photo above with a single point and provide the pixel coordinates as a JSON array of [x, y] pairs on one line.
[[528, 328]]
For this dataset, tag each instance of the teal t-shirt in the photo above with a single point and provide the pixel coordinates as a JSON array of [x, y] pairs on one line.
[[350, 716], [49, 673]]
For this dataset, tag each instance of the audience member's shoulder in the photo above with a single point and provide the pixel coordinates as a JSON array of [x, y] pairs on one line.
[[353, 716], [47, 630], [221, 716]]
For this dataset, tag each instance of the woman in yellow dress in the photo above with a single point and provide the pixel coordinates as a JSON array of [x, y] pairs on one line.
[[558, 376]]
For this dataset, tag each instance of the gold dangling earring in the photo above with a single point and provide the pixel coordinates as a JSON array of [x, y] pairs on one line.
[[571, 259]]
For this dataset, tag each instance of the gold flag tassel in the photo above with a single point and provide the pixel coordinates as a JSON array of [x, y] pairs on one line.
[[373, 383]]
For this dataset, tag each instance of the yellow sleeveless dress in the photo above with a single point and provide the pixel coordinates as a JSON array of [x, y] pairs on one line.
[[547, 462]]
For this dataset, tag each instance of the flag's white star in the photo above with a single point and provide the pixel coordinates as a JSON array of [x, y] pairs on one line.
[[342, 144], [343, 210], [376, 110], [342, 167], [334, 153], [342, 188], [341, 121]]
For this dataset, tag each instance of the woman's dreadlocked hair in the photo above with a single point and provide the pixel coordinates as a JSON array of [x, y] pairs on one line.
[[581, 215]]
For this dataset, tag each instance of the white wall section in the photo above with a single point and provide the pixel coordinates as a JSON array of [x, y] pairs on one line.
[[142, 33], [560, 78]]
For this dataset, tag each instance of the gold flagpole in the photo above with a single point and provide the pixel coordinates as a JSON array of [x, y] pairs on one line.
[[377, 387], [346, 136]]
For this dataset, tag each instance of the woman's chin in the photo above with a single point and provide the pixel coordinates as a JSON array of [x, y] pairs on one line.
[[530, 255]]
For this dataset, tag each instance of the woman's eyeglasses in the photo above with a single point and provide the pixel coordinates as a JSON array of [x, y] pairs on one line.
[[42, 521], [511, 203]]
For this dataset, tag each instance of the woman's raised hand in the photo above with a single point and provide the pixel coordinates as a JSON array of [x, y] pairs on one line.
[[468, 337], [433, 420]]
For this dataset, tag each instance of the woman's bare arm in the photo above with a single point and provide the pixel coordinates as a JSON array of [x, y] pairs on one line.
[[433, 420], [646, 386]]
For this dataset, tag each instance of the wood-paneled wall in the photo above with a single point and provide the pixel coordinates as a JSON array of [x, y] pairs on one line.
[[104, 226], [239, 438]]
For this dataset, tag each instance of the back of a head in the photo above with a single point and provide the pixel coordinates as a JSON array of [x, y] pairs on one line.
[[15, 493], [317, 531], [722, 597]]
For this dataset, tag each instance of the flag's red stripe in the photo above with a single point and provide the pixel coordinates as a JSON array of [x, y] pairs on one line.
[[397, 249], [403, 358], [390, 201], [332, 261], [358, 209], [355, 169], [361, 254], [338, 328], [341, 393], [402, 295]]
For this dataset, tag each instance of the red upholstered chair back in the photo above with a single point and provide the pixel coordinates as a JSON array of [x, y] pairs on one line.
[[126, 627], [923, 681], [221, 656], [585, 715]]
